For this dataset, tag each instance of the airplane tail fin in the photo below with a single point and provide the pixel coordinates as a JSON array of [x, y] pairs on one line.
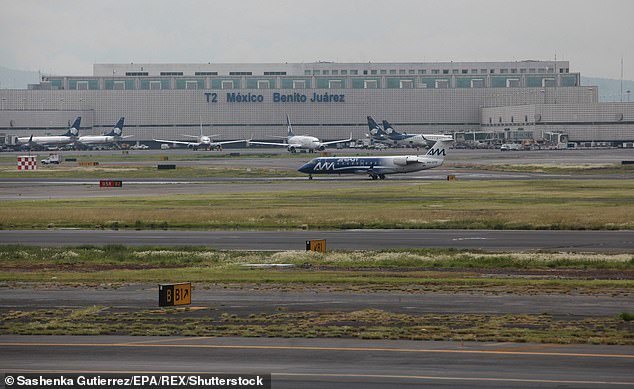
[[289, 127], [374, 127], [117, 130], [74, 128], [388, 127], [439, 149]]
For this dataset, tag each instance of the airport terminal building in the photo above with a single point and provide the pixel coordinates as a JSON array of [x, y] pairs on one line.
[[514, 100]]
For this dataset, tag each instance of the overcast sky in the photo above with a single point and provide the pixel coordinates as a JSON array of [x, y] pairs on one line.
[[66, 37]]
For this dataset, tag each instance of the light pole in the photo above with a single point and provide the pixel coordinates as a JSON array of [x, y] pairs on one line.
[[628, 95]]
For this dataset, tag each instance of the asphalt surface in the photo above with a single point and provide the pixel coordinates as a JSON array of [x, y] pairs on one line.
[[573, 241], [247, 300], [329, 363]]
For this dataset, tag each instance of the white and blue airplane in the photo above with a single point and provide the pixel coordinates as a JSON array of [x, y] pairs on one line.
[[113, 137], [296, 142], [52, 140], [390, 136], [378, 167]]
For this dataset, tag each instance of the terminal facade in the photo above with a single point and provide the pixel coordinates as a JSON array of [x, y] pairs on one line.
[[510, 100]]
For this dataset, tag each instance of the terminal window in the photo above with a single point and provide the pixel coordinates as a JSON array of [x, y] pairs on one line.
[[477, 83], [370, 84], [226, 84], [407, 84], [442, 84], [512, 83], [263, 84], [335, 84], [299, 84]]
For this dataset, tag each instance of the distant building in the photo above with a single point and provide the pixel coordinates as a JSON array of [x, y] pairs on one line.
[[325, 99]]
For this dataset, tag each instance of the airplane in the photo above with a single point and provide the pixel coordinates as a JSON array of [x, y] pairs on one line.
[[110, 138], [414, 140], [52, 140], [390, 136], [202, 141], [295, 142], [378, 167]]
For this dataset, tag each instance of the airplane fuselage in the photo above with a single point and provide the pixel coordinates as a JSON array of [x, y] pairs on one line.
[[97, 139], [47, 140], [370, 165], [304, 142]]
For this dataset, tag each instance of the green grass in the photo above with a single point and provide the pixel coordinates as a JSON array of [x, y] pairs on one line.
[[119, 172], [399, 270], [541, 204], [559, 168], [363, 324]]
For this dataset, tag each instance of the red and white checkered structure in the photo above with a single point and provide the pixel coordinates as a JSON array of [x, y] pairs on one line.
[[27, 162]]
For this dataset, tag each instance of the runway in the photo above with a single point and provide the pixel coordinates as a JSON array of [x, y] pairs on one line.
[[332, 363], [494, 240], [247, 300]]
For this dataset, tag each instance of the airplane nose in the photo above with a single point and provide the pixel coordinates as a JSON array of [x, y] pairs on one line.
[[306, 168]]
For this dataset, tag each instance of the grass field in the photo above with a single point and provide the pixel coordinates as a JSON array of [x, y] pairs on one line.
[[363, 324], [400, 271], [534, 204]]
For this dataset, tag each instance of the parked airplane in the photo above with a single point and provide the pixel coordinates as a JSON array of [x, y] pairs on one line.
[[112, 137], [390, 136], [52, 140], [414, 140], [202, 141], [295, 142], [378, 167]]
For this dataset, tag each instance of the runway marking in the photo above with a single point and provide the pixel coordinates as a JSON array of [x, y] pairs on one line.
[[333, 375], [319, 348]]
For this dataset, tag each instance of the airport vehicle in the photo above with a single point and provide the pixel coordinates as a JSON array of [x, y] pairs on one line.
[[202, 141], [378, 167], [53, 159], [510, 147], [139, 146], [297, 142], [111, 138], [52, 140]]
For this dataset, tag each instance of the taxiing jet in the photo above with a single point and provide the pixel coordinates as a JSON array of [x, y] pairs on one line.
[[202, 141], [52, 140], [112, 137], [378, 167], [295, 142]]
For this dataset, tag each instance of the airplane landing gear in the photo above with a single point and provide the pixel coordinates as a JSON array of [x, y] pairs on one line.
[[310, 176], [382, 176]]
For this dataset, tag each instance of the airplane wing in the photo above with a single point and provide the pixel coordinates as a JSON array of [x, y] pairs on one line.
[[227, 142], [337, 141], [126, 136], [194, 144], [270, 144]]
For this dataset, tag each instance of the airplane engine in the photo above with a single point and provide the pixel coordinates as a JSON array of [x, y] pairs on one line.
[[321, 148], [405, 160], [400, 161], [291, 149]]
